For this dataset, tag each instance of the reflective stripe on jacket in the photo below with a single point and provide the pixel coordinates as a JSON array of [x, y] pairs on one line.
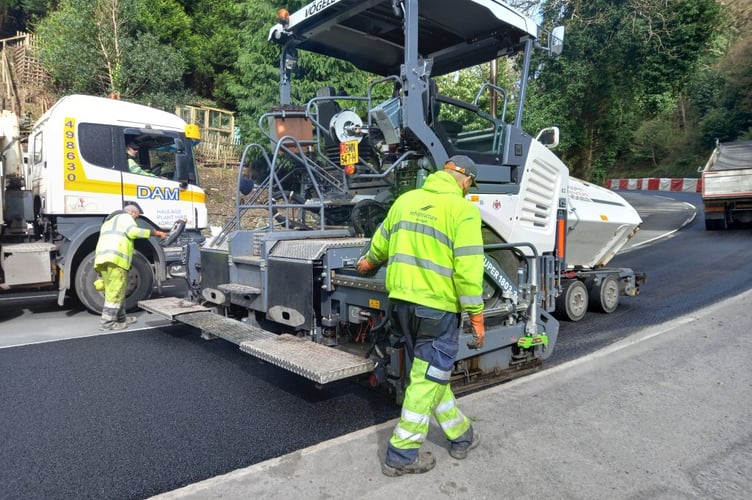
[[135, 168], [116, 240], [431, 240]]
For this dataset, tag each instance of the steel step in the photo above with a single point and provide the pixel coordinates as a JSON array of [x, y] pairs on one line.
[[229, 329], [204, 319], [308, 359], [237, 288], [171, 307]]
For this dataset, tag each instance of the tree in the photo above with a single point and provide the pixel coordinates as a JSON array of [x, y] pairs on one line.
[[723, 96], [213, 46], [14, 14], [624, 62], [254, 84], [100, 47]]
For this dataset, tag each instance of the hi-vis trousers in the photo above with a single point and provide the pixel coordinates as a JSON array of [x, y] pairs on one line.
[[115, 279], [433, 337]]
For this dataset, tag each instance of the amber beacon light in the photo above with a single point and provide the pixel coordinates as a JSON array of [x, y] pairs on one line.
[[283, 17]]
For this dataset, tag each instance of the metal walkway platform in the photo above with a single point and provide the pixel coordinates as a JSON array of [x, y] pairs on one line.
[[301, 356], [308, 359], [171, 307]]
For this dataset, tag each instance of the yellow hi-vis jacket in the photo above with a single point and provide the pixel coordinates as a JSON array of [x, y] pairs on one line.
[[116, 237], [432, 243]]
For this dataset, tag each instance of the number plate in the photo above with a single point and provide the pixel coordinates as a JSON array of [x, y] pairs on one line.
[[348, 153]]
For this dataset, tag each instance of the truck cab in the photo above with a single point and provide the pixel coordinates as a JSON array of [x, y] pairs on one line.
[[79, 164]]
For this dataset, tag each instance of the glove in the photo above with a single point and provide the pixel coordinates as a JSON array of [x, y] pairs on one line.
[[479, 331], [159, 233], [365, 267]]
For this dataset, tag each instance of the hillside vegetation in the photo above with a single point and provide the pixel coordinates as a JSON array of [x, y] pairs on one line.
[[644, 87]]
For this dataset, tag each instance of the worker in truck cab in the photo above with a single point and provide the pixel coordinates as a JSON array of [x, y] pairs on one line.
[[133, 165], [432, 244], [113, 260]]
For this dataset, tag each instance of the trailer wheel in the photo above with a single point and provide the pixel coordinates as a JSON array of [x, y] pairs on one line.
[[572, 303], [605, 297], [139, 286]]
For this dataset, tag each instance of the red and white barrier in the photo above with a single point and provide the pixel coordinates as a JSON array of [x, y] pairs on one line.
[[685, 185]]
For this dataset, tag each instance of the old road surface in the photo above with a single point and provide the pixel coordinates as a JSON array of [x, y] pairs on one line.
[[155, 408]]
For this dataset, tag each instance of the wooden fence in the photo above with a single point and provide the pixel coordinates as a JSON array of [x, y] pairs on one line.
[[219, 146], [23, 79]]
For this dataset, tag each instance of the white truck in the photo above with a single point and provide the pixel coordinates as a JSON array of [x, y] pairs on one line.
[[727, 185], [56, 195], [280, 280]]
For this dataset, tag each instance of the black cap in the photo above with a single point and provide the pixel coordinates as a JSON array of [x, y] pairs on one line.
[[463, 165]]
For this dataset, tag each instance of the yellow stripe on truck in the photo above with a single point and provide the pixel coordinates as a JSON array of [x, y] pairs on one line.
[[138, 191], [75, 177]]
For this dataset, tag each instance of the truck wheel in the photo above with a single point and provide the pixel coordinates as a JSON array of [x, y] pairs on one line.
[[605, 297], [139, 286], [572, 303]]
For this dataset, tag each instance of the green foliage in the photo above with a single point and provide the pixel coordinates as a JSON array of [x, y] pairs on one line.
[[651, 143], [61, 33], [102, 46], [212, 46], [624, 63], [15, 14], [254, 85], [643, 84], [165, 19], [466, 83], [157, 73], [724, 95]]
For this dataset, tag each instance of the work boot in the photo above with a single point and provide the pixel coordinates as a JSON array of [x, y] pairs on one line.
[[106, 327], [118, 326], [423, 463], [460, 452]]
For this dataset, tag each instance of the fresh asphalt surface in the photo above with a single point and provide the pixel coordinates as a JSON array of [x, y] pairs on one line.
[[134, 414]]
